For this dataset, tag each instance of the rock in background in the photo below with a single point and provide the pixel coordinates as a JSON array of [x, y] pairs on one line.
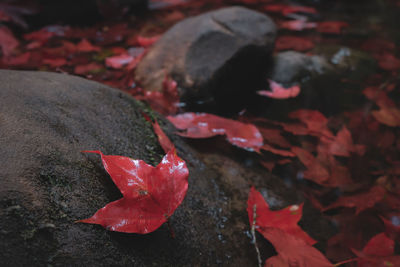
[[221, 56]]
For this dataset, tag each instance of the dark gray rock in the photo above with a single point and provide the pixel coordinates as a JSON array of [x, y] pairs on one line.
[[294, 67], [46, 184], [217, 56]]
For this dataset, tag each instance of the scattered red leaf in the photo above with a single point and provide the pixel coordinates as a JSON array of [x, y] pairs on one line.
[[147, 41], [361, 201], [163, 139], [279, 92], [55, 62], [289, 9], [8, 43], [292, 251], [332, 27], [273, 136], [150, 194], [203, 125], [281, 152], [118, 62], [388, 61], [388, 116], [378, 252], [293, 43], [85, 46], [297, 25], [286, 219], [315, 121], [88, 68], [165, 102]]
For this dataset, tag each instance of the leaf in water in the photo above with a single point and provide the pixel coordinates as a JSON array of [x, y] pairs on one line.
[[286, 219], [150, 194], [88, 68], [204, 125], [279, 92]]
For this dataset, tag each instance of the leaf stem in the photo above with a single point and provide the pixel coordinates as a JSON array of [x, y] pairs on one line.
[[253, 234]]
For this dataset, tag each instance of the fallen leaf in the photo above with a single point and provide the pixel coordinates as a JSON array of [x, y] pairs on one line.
[[88, 68], [55, 62], [361, 201], [332, 27], [203, 125], [150, 194], [147, 41], [118, 62], [293, 43], [8, 43], [279, 92], [286, 219], [274, 136], [85, 46], [388, 61], [297, 25], [281, 152], [292, 251]]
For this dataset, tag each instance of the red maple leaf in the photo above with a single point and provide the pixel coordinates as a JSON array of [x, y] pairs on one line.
[[150, 194], [204, 125], [333, 27], [297, 25], [7, 41], [85, 46], [279, 92], [285, 219], [292, 251], [293, 43], [378, 252], [360, 201]]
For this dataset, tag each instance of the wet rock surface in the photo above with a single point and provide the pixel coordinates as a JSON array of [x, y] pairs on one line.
[[47, 184], [214, 55], [294, 67]]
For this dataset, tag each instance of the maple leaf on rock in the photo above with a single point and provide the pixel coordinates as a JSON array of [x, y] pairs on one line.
[[285, 219], [204, 125], [150, 194]]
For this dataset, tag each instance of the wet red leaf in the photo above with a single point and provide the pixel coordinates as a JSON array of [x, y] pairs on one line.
[[203, 125], [17, 60], [273, 136], [281, 152], [85, 46], [147, 41], [289, 9], [88, 68], [55, 62], [8, 43], [163, 139], [286, 219], [279, 92], [150, 194], [333, 27], [293, 251], [293, 43], [361, 201], [315, 121], [297, 25], [341, 145], [165, 102], [378, 252], [388, 61], [118, 62], [388, 116]]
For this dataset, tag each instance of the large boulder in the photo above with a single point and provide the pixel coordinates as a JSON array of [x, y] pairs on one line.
[[46, 184], [220, 56]]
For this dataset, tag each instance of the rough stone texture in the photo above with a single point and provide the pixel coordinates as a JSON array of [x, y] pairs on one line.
[[217, 56], [293, 67], [46, 184]]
